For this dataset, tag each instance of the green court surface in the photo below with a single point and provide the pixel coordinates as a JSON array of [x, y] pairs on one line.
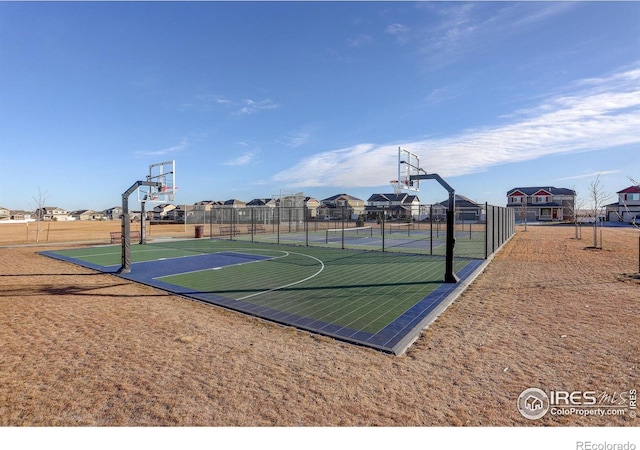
[[378, 299]]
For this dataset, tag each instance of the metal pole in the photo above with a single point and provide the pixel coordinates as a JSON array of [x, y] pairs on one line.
[[449, 276], [126, 235], [143, 223], [384, 214], [431, 229], [126, 224], [343, 212]]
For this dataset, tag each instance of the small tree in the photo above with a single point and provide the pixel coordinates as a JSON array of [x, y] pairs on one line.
[[40, 200], [522, 211], [575, 209], [598, 198]]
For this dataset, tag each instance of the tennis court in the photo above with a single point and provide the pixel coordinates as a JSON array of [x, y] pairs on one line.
[[377, 299]]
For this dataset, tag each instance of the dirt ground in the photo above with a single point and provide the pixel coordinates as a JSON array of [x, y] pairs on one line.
[[82, 348]]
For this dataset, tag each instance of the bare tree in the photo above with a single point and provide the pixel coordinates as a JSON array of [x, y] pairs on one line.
[[574, 210], [598, 198], [522, 211], [40, 200]]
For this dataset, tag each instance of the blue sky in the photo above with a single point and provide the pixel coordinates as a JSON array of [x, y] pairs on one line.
[[257, 98]]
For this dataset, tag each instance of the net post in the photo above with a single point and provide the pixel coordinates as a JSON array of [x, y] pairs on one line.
[[253, 224], [143, 224], [431, 229], [384, 214]]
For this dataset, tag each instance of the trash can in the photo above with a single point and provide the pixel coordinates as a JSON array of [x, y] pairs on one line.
[[199, 231]]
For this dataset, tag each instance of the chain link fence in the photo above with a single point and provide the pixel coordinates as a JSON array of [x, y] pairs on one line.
[[420, 230]]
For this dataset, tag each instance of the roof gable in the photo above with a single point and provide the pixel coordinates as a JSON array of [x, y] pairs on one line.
[[630, 190], [533, 190]]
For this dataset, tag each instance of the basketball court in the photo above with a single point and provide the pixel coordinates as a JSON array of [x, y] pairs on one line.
[[376, 286], [380, 300]]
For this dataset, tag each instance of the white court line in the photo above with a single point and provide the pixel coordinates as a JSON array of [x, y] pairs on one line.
[[290, 284], [222, 267]]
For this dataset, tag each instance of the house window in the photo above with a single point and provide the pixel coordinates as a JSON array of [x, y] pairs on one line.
[[632, 197]]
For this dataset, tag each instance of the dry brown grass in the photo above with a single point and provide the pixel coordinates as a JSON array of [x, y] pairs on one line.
[[81, 348]]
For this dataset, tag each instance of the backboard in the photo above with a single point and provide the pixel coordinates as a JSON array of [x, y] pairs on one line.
[[408, 165], [165, 174]]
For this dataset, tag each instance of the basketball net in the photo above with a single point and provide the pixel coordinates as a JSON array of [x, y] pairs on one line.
[[398, 186]]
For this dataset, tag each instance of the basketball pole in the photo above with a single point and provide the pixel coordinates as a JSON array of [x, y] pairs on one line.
[[449, 275], [126, 223]]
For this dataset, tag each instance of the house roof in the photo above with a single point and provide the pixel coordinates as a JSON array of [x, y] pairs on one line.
[[401, 198], [337, 196], [630, 190], [531, 190], [461, 202], [260, 201], [234, 201]]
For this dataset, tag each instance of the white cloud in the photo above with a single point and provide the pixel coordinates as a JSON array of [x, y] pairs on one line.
[[206, 102], [401, 32], [589, 175], [249, 106], [470, 28], [180, 147], [597, 115], [242, 160], [360, 41]]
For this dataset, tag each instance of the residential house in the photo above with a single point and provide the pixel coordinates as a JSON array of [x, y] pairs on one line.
[[466, 210], [262, 202], [262, 210], [542, 203], [627, 208], [206, 205], [161, 212], [5, 213], [197, 213], [53, 213], [114, 213], [401, 206], [341, 205], [312, 206], [234, 203], [87, 214], [21, 215]]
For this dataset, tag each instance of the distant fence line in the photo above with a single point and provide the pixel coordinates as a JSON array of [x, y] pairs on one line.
[[478, 234]]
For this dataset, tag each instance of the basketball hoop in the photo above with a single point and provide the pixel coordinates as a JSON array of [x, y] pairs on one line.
[[165, 175], [402, 185], [397, 186]]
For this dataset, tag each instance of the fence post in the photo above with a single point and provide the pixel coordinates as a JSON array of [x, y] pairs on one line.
[[431, 229]]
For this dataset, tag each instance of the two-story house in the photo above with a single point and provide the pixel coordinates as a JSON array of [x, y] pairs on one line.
[[539, 204], [114, 213], [87, 214], [339, 206], [53, 213], [466, 209], [627, 208], [162, 212], [399, 206]]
